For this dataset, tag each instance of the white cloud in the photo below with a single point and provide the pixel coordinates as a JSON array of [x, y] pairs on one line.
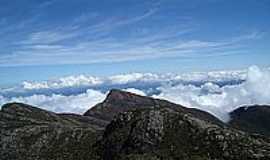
[[53, 45], [127, 78], [48, 37], [135, 91], [70, 81], [216, 92], [134, 78], [60, 103], [221, 100]]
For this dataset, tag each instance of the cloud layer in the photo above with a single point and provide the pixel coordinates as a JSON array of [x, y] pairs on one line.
[[221, 100], [60, 103], [215, 92], [70, 32]]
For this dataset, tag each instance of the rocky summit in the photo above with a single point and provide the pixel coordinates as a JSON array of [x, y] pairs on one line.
[[129, 126]]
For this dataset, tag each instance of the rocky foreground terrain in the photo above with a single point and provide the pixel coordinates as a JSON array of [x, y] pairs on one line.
[[128, 126]]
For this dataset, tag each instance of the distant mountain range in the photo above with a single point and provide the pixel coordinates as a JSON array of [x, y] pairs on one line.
[[129, 126]]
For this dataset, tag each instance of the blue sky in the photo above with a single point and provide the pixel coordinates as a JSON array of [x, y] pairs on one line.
[[41, 39]]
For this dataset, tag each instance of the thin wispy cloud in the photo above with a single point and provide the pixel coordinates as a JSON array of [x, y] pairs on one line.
[[98, 36], [104, 50], [46, 3]]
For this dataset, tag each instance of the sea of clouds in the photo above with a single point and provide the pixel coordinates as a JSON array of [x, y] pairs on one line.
[[216, 92]]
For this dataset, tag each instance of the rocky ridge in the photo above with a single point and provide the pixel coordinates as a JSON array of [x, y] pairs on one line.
[[125, 126]]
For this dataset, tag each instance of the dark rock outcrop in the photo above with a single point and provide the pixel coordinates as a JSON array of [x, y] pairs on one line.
[[124, 126], [253, 119]]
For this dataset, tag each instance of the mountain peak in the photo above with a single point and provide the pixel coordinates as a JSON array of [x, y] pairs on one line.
[[116, 94], [119, 95], [118, 101]]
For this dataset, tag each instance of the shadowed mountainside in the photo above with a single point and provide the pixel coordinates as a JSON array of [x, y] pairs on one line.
[[253, 119]]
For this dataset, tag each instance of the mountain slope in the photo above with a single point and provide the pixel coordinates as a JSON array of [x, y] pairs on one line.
[[163, 133], [29, 133], [124, 126], [253, 119]]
